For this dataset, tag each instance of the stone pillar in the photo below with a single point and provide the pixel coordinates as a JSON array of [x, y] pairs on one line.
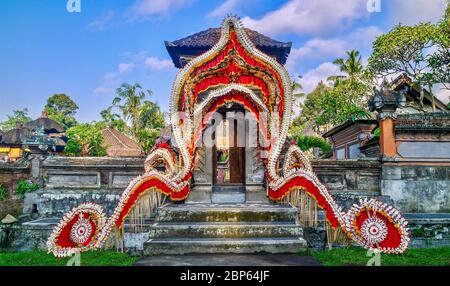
[[385, 102], [203, 176], [254, 166], [388, 147]]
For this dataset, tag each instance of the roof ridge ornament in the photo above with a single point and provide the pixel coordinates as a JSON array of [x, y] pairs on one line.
[[386, 100]]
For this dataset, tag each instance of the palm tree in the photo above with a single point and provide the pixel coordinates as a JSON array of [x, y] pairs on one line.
[[296, 89], [129, 100], [352, 66]]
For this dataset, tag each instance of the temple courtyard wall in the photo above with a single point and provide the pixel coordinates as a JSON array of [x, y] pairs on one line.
[[420, 192], [10, 175], [70, 181]]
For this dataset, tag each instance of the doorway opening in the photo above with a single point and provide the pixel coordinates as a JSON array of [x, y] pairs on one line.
[[229, 148]]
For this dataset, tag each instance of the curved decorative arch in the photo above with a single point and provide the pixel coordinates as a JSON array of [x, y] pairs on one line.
[[233, 39]]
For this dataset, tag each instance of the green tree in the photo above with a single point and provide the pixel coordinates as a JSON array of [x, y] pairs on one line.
[[439, 60], [62, 109], [348, 97], [86, 139], [312, 105], [408, 50], [352, 66], [129, 100], [151, 116], [343, 102], [18, 117], [297, 91], [113, 120], [143, 117]]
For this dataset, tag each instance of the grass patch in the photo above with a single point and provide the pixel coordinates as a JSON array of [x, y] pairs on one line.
[[41, 258], [358, 256]]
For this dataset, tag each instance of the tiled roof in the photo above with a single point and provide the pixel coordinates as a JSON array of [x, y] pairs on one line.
[[199, 43], [414, 94], [368, 119], [50, 125], [120, 145], [211, 36], [15, 136]]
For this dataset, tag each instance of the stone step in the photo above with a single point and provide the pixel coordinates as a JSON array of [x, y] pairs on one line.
[[228, 188], [228, 197], [180, 246], [225, 230], [226, 213]]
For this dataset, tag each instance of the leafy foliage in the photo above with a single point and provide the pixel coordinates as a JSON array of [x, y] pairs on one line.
[[352, 66], [297, 93], [18, 117], [3, 193], [86, 139], [422, 52], [144, 118], [376, 132], [331, 105], [113, 120], [440, 60], [24, 187], [310, 108], [307, 142], [402, 50], [344, 101], [62, 109]]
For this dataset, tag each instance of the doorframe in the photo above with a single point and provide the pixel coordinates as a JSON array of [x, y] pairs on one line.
[[214, 154]]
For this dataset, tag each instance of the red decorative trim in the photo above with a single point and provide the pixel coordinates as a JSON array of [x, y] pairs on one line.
[[301, 182]]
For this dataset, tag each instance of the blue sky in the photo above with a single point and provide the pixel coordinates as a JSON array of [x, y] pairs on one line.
[[44, 49]]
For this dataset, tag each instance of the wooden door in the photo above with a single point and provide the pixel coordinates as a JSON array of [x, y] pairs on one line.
[[237, 157]]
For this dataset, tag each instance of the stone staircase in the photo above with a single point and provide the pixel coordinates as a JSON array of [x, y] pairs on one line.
[[224, 228]]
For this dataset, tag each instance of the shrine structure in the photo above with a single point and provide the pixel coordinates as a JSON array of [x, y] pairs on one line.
[[193, 185]]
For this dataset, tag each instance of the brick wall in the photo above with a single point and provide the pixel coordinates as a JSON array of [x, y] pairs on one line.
[[10, 174]]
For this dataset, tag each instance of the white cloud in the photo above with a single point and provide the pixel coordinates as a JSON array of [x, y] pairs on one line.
[[102, 23], [144, 9], [319, 48], [227, 7], [126, 67], [301, 17], [320, 73], [412, 12], [311, 78], [443, 94], [122, 68], [157, 64], [138, 62], [102, 90]]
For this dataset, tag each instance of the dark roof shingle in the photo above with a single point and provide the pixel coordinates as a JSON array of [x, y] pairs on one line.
[[50, 125], [15, 136], [198, 43]]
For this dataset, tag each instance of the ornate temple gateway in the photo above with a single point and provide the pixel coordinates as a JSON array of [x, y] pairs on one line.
[[239, 72]]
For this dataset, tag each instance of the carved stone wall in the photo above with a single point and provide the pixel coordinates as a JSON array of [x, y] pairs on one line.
[[349, 180], [69, 181], [418, 189]]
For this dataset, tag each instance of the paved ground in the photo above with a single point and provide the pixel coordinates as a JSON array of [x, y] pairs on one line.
[[229, 260]]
